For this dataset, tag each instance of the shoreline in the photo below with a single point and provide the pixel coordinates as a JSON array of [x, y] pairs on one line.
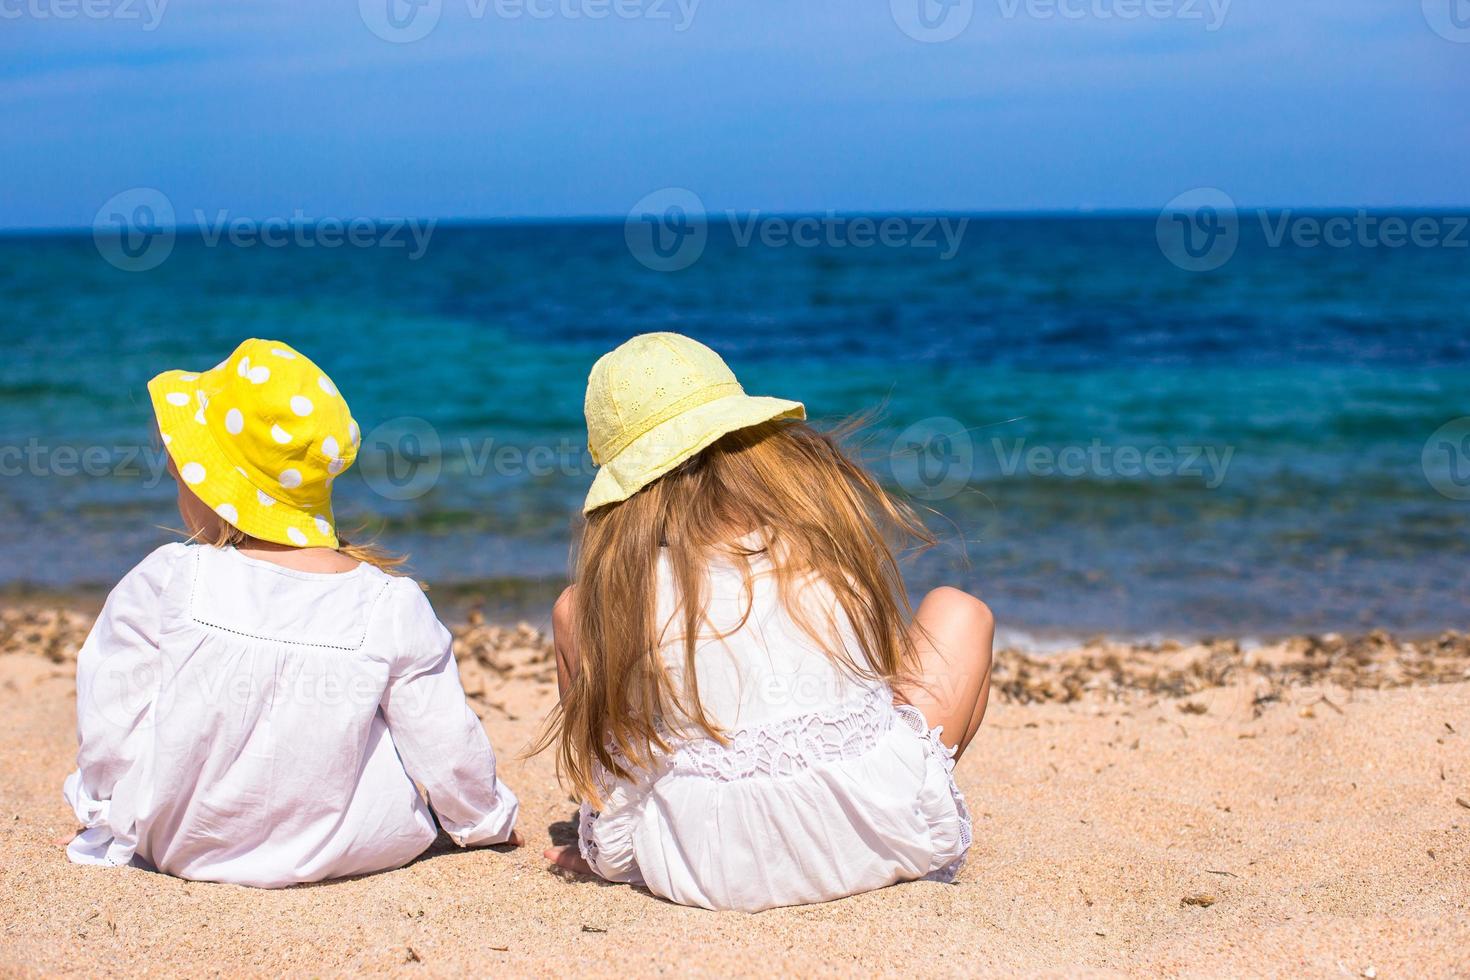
[[510, 601], [1100, 668]]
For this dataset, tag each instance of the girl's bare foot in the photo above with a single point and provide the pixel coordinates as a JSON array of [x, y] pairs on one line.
[[570, 858]]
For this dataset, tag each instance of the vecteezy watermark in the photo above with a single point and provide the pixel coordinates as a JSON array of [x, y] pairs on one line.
[[405, 21], [1210, 13], [404, 458], [932, 21], [137, 229], [669, 229], [934, 458], [1200, 230], [1446, 459], [400, 21], [36, 458], [121, 691], [938, 458], [1209, 464], [134, 230], [148, 13], [303, 231], [1450, 19], [1364, 229], [401, 459]]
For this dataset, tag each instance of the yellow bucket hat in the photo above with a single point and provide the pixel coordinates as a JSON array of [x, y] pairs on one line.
[[657, 400], [259, 438]]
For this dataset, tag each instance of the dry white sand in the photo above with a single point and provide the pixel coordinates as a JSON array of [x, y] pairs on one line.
[[1318, 837]]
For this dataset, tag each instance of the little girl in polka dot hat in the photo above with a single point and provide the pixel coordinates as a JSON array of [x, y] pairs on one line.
[[256, 705]]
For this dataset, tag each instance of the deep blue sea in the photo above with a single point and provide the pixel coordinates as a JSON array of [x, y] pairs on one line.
[[1105, 442]]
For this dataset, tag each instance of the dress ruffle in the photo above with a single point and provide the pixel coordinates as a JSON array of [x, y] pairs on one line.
[[809, 808]]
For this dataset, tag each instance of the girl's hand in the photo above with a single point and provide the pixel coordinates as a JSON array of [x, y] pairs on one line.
[[515, 839], [570, 858]]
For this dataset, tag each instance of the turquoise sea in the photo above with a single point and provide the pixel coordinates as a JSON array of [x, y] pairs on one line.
[[1106, 442]]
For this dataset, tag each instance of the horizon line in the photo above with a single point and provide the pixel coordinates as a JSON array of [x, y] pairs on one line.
[[533, 220]]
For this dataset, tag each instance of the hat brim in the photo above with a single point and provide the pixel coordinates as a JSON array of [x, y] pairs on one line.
[[224, 486], [665, 446]]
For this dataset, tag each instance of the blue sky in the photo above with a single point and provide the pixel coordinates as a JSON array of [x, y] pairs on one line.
[[270, 107]]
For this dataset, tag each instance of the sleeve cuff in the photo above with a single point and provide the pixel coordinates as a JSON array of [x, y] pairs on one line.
[[98, 843], [494, 827]]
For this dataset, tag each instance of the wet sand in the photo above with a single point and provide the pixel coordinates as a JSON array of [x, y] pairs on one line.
[[1299, 808]]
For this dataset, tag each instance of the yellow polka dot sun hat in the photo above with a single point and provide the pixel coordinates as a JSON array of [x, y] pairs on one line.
[[657, 400], [260, 438]]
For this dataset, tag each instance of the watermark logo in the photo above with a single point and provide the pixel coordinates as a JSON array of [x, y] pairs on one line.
[[148, 12], [410, 234], [1450, 19], [1363, 229], [36, 458], [932, 21], [940, 233], [406, 21], [1206, 463], [401, 459], [135, 697], [934, 458], [937, 458], [667, 230], [400, 21], [134, 230], [1446, 459], [122, 692], [1198, 231], [1211, 13]]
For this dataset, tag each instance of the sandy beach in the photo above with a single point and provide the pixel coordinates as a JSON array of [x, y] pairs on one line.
[[1299, 808]]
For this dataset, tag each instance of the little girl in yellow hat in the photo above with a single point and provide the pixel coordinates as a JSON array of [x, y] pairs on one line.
[[748, 713], [255, 706]]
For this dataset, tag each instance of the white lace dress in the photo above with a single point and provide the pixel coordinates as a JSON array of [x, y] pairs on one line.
[[826, 789]]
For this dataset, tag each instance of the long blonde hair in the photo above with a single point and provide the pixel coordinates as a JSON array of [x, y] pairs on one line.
[[816, 508]]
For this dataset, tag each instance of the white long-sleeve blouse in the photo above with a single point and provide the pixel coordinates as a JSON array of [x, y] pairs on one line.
[[248, 723]]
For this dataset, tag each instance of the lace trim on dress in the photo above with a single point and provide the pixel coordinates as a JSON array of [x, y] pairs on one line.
[[916, 720], [787, 747], [586, 843], [779, 749]]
